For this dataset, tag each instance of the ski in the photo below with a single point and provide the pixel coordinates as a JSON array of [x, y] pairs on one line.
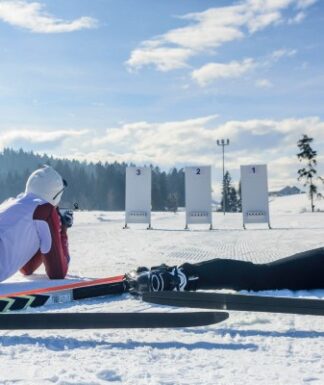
[[46, 321], [68, 285], [62, 293], [239, 302]]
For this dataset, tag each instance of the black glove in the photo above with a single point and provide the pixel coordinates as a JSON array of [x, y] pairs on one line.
[[66, 216]]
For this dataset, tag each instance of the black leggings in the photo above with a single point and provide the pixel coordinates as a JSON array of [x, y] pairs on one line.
[[302, 271]]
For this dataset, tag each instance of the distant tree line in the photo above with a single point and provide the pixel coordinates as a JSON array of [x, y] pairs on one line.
[[94, 186]]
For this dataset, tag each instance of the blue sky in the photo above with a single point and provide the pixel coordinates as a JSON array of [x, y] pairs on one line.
[[160, 81]]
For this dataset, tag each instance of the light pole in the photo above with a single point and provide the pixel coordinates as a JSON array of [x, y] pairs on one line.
[[223, 143]]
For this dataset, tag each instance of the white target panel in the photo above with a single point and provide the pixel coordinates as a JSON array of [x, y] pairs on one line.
[[138, 195], [198, 195], [255, 195]]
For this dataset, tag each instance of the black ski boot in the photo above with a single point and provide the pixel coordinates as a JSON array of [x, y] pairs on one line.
[[157, 278]]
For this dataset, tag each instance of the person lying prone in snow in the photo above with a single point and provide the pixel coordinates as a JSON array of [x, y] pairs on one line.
[[302, 271]]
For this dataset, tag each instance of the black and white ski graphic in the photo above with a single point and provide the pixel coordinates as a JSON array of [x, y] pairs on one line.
[[53, 296], [46, 321], [239, 302]]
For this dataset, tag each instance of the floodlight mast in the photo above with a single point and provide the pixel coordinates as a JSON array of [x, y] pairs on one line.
[[223, 143]]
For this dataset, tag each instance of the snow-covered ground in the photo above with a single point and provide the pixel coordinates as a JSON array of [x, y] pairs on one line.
[[249, 348]]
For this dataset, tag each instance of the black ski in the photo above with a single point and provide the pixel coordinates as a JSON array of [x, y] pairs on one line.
[[240, 302], [108, 320]]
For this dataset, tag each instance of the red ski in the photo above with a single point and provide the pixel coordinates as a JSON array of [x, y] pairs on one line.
[[62, 293]]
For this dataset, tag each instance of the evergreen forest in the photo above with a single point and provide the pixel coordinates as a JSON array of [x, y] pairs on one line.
[[93, 186], [100, 186]]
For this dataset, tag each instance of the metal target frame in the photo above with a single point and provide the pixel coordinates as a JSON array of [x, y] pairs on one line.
[[138, 196], [198, 195], [255, 194]]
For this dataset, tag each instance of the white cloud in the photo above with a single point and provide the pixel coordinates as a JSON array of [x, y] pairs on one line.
[[289, 129], [297, 18], [163, 58], [262, 21], [303, 4], [235, 69], [263, 83], [185, 142], [12, 138], [212, 28], [33, 17], [281, 53], [194, 140], [213, 71]]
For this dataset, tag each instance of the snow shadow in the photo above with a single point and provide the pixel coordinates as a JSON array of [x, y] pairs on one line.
[[273, 334], [260, 333], [68, 343]]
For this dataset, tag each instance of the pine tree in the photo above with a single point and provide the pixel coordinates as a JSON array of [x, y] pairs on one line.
[[232, 200], [172, 202], [308, 173], [230, 195], [239, 197]]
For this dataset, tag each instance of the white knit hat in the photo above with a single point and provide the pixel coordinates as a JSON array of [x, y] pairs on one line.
[[47, 184]]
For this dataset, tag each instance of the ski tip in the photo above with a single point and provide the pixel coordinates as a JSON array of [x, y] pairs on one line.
[[220, 316], [196, 319]]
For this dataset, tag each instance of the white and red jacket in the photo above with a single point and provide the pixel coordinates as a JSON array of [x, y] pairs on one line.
[[31, 234]]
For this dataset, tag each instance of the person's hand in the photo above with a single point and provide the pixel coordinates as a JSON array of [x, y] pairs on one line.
[[66, 216]]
